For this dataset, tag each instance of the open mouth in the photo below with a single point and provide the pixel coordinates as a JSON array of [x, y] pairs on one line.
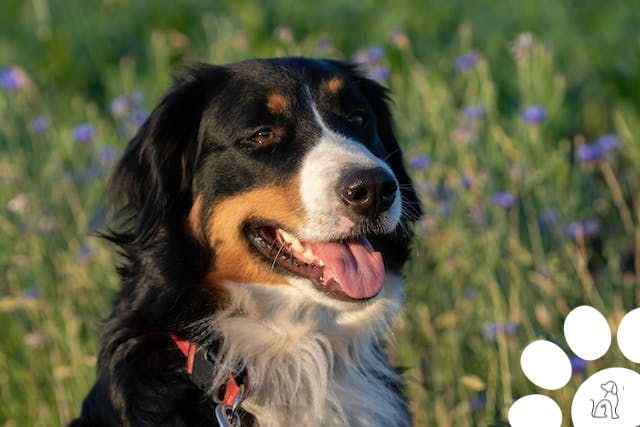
[[348, 270]]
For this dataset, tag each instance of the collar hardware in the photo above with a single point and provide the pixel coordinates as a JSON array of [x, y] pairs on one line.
[[201, 366]]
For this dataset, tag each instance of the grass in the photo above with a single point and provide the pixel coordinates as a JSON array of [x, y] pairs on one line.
[[519, 227]]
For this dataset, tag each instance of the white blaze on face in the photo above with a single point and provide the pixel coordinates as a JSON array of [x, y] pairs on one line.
[[321, 169]]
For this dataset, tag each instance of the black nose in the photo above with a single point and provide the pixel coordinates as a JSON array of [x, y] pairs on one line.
[[367, 192]]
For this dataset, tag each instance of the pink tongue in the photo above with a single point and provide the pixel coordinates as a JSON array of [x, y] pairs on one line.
[[358, 270]]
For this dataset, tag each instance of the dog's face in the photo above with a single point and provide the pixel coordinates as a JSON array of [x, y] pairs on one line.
[[285, 171]]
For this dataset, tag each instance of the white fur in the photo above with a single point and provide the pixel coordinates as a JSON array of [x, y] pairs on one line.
[[321, 169], [309, 364]]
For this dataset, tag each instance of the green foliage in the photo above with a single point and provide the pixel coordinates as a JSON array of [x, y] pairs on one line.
[[518, 230]]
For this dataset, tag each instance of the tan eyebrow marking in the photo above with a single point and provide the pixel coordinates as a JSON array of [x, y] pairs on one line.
[[334, 84], [276, 103]]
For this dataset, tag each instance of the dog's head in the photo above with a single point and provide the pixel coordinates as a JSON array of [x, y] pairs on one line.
[[285, 172]]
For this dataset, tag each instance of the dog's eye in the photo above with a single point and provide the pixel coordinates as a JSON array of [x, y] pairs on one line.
[[358, 118], [264, 136]]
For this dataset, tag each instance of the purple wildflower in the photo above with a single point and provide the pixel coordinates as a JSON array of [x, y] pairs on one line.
[[467, 182], [136, 98], [608, 142], [470, 293], [585, 229], [125, 104], [548, 219], [120, 106], [420, 162], [370, 56], [478, 403], [33, 292], [510, 329], [504, 199], [84, 133], [13, 79], [379, 73], [466, 62], [474, 112], [107, 156], [492, 330], [578, 365], [598, 150], [137, 118], [84, 253], [40, 124], [534, 115], [324, 45]]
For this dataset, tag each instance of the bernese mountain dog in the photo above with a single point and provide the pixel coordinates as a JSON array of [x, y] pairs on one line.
[[263, 215]]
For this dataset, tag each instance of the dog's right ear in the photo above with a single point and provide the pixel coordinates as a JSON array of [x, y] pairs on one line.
[[151, 185]]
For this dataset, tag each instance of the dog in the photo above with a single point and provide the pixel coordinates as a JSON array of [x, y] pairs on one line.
[[263, 215]]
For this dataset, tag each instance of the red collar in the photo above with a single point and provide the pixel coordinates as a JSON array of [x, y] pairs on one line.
[[201, 370]]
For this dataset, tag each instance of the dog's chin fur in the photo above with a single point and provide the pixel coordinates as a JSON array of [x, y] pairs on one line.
[[310, 363]]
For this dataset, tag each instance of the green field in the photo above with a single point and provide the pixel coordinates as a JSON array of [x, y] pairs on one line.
[[521, 125]]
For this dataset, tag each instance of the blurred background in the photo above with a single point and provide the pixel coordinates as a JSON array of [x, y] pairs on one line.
[[520, 121]]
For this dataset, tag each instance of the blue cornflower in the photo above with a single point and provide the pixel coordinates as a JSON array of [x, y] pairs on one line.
[[120, 106], [379, 73], [578, 366], [40, 124], [478, 403], [492, 330], [370, 56], [107, 156], [324, 45], [420, 162], [33, 292], [467, 182], [125, 104], [534, 115], [84, 253], [504, 199], [138, 117], [587, 228], [608, 142], [475, 112], [548, 219], [598, 150], [84, 133], [510, 329], [470, 293], [13, 79], [136, 98], [466, 62]]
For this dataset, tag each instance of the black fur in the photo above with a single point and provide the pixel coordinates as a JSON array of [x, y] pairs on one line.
[[192, 144]]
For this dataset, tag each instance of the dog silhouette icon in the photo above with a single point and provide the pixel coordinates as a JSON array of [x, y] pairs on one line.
[[607, 407]]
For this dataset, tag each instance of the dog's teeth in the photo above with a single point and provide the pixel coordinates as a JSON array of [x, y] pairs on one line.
[[297, 247], [290, 240], [308, 255]]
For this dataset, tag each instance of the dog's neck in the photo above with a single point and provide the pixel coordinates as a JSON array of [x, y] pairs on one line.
[[309, 364]]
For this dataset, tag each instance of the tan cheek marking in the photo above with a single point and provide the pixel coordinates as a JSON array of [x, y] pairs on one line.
[[276, 103], [335, 84], [234, 260], [194, 214]]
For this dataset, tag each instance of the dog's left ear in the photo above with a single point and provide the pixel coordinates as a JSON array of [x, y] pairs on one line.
[[151, 185], [379, 100]]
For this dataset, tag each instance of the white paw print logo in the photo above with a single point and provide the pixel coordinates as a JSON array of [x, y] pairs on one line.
[[610, 397]]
